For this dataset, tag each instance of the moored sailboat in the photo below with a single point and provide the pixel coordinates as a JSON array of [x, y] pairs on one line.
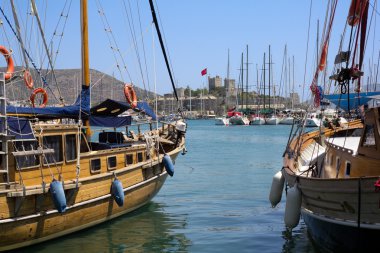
[[57, 180], [333, 174]]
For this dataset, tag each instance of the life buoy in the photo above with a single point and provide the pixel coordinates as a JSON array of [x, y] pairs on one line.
[[10, 63], [130, 95], [355, 11], [44, 93], [28, 79]]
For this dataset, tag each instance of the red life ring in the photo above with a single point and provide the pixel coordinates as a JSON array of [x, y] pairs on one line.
[[130, 95], [44, 93], [28, 79], [10, 63]]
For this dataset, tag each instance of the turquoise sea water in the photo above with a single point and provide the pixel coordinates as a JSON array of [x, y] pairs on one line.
[[217, 201]]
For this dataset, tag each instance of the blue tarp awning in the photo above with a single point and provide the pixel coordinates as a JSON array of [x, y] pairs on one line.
[[356, 99], [104, 114], [20, 128], [81, 106]]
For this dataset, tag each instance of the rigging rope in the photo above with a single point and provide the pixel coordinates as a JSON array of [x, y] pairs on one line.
[[112, 41], [307, 50], [162, 46], [143, 46], [133, 34], [46, 49], [26, 52]]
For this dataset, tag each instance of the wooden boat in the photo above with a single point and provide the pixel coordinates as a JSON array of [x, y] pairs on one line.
[[333, 179], [56, 180]]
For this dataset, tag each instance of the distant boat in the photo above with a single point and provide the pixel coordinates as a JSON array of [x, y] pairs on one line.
[[257, 120], [289, 120], [237, 118], [222, 121], [273, 120]]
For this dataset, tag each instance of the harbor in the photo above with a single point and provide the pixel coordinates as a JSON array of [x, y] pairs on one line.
[[135, 127], [193, 213]]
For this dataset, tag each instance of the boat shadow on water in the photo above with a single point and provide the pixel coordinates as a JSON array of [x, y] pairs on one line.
[[298, 240], [147, 229]]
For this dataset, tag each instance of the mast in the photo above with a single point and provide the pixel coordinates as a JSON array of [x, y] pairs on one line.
[[258, 90], [19, 34], [269, 76], [242, 81], [293, 86], [85, 51], [85, 55], [227, 89], [246, 83], [264, 81]]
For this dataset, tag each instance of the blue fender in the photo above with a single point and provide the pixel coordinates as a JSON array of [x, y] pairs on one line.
[[168, 164], [58, 195], [117, 192]]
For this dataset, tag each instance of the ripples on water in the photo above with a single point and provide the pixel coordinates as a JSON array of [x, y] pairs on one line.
[[217, 201]]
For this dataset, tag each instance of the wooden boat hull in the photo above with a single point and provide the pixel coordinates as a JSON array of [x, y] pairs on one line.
[[331, 209], [92, 204], [340, 236]]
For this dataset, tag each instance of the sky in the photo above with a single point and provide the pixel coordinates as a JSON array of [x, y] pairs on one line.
[[197, 33]]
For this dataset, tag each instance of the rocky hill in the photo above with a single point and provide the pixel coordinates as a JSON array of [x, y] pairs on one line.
[[69, 82]]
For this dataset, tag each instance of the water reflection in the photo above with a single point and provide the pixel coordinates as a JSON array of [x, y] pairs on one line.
[[298, 240], [148, 229]]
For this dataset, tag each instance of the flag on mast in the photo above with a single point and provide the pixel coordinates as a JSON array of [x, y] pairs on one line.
[[204, 72]]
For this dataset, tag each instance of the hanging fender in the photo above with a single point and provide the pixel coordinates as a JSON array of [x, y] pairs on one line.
[[117, 192], [44, 93], [168, 164], [130, 95], [28, 79], [354, 14], [10, 63], [58, 195]]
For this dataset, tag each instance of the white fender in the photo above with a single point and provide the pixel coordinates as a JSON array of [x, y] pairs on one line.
[[293, 207], [276, 188]]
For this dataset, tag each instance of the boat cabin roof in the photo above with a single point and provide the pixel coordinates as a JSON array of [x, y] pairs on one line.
[[348, 143]]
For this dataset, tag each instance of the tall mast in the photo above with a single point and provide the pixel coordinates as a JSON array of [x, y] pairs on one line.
[[246, 85], [85, 55], [227, 89], [85, 51], [19, 34], [269, 67], [242, 81], [264, 81], [293, 86]]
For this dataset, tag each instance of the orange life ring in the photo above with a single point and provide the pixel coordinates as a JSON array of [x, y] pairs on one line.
[[10, 63], [130, 95], [28, 79], [44, 93]]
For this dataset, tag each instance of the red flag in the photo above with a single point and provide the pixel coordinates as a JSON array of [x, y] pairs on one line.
[[204, 72]]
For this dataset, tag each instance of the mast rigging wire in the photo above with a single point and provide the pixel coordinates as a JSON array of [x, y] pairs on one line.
[[133, 34], [162, 47], [27, 54]]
